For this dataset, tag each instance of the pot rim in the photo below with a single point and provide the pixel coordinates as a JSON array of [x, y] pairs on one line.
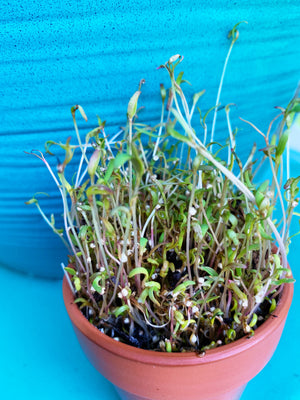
[[175, 359]]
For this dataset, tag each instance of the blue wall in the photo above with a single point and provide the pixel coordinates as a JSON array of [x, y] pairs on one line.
[[57, 54]]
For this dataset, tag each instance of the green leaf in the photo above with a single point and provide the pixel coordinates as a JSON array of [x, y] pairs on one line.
[[290, 119], [132, 105], [251, 248], [233, 220], [176, 135], [138, 271], [120, 310], [143, 242], [143, 245], [206, 301], [153, 284], [83, 231], [249, 222], [77, 283], [73, 239], [163, 92], [110, 169], [96, 284], [98, 189], [84, 302], [85, 207], [108, 226], [260, 192], [52, 220], [82, 112], [207, 113], [282, 144], [234, 33], [231, 334], [137, 163], [179, 316], [241, 295], [94, 162], [93, 133], [64, 182], [151, 261], [115, 163], [283, 280], [71, 271], [273, 306], [121, 159], [253, 321], [179, 78], [151, 295], [296, 108], [183, 286], [232, 235], [197, 162], [184, 125], [210, 271], [277, 261], [248, 182], [263, 233], [168, 346], [143, 296], [32, 201], [119, 210], [197, 96], [161, 237]]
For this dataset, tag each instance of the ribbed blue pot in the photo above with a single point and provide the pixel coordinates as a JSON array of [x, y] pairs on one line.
[[57, 54]]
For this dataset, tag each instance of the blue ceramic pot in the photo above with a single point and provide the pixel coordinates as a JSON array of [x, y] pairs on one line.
[[57, 54]]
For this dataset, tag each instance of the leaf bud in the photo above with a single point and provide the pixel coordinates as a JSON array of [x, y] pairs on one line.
[[94, 162], [197, 162], [163, 92], [132, 105]]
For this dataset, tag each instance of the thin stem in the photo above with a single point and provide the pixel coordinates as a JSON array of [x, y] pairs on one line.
[[159, 132], [219, 93], [188, 229], [53, 227]]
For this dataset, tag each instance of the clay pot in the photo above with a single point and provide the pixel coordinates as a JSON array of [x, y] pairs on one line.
[[221, 374]]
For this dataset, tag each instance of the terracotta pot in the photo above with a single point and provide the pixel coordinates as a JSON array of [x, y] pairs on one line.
[[140, 374]]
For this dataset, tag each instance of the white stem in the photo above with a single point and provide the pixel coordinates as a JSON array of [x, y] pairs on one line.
[[279, 195], [219, 93], [232, 140], [149, 219], [159, 133], [82, 177], [288, 173], [68, 278]]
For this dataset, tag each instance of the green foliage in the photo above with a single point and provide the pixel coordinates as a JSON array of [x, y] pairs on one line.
[[172, 249]]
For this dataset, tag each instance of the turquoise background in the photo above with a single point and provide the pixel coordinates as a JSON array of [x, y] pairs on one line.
[[55, 54]]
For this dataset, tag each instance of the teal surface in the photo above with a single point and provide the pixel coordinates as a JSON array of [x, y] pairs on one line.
[[55, 54], [42, 360]]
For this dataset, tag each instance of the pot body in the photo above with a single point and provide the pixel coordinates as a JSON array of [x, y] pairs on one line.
[[55, 55], [229, 395], [143, 375]]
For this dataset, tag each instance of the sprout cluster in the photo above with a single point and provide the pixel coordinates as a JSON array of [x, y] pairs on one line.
[[173, 248]]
